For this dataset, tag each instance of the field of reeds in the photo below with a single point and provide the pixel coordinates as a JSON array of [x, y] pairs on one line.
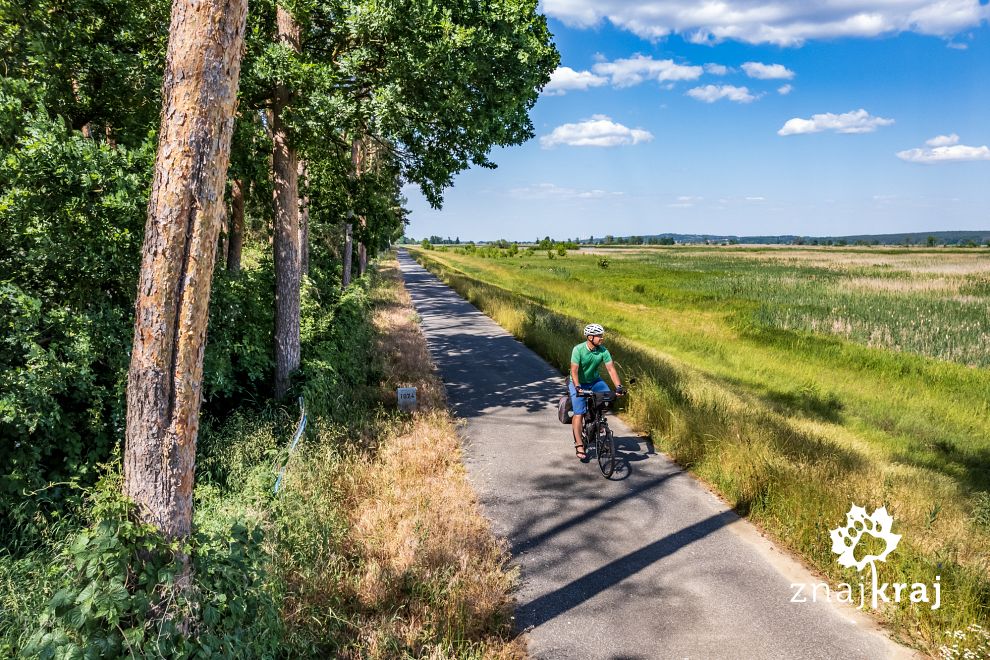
[[796, 382]]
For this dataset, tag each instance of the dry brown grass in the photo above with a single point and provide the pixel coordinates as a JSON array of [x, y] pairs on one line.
[[433, 580], [917, 261], [415, 521], [940, 285], [402, 345]]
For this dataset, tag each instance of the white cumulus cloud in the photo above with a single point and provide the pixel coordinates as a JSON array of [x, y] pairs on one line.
[[943, 140], [566, 79], [553, 191], [712, 93], [763, 71], [944, 149], [598, 131], [634, 70], [773, 21], [857, 121], [784, 90], [716, 69]]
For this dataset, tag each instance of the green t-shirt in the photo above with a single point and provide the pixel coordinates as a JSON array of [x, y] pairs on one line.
[[589, 361]]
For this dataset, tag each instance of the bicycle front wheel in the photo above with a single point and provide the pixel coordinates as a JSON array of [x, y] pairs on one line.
[[605, 448]]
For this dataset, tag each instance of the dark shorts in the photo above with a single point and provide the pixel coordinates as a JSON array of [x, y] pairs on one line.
[[579, 403]]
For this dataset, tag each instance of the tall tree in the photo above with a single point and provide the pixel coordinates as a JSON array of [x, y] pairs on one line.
[[288, 273], [357, 160], [303, 220], [236, 239], [435, 85], [164, 382]]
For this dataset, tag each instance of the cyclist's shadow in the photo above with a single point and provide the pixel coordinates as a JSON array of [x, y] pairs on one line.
[[628, 450]]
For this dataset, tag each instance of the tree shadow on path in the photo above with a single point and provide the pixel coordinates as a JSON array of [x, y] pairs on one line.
[[551, 605]]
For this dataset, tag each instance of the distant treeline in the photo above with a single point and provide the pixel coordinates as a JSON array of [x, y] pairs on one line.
[[928, 239]]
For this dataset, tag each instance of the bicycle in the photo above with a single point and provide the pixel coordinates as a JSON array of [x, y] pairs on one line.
[[595, 427]]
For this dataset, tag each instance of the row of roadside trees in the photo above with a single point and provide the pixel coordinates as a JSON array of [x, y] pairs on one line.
[[297, 121]]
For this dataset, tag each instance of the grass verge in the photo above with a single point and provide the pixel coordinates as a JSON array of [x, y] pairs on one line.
[[412, 568]]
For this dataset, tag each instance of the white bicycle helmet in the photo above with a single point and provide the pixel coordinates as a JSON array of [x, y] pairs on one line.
[[593, 330]]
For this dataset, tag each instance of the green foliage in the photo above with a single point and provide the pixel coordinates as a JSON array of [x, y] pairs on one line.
[[337, 351], [981, 510], [119, 593], [239, 363], [432, 87], [73, 214], [603, 263], [441, 83], [92, 63]]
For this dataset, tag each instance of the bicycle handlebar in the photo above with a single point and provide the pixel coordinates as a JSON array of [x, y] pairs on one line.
[[588, 393]]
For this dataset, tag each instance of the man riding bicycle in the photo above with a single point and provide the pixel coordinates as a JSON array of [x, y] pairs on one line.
[[586, 360]]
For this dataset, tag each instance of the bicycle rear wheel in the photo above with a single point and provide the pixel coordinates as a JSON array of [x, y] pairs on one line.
[[605, 448]]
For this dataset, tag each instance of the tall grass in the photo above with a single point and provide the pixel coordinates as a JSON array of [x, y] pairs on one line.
[[380, 539], [790, 426]]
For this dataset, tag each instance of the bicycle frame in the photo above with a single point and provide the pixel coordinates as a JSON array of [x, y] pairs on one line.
[[595, 430], [598, 404]]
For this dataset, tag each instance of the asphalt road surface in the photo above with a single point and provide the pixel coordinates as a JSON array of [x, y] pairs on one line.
[[649, 564]]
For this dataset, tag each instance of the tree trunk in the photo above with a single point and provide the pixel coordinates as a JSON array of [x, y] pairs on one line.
[[348, 248], [236, 238], [367, 164], [287, 266], [356, 161], [303, 223], [221, 259], [199, 94]]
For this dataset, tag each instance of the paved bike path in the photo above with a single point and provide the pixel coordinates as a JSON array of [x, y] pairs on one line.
[[651, 565]]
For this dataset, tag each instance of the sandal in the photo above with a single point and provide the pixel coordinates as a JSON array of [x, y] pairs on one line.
[[581, 454]]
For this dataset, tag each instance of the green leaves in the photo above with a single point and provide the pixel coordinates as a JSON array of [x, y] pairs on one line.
[[118, 595], [73, 214]]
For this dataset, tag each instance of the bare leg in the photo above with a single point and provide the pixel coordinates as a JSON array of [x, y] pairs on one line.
[[576, 423]]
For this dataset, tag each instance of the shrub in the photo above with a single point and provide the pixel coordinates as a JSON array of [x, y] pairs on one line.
[[73, 215], [118, 594], [239, 363]]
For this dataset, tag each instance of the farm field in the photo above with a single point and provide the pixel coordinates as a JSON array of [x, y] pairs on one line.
[[796, 382]]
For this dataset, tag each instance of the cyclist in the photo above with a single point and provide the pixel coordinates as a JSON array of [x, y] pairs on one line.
[[586, 360]]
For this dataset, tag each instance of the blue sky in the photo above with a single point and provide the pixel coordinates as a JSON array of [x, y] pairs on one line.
[[744, 117]]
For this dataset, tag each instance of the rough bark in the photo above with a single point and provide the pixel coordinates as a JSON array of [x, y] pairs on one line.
[[236, 238], [303, 223], [366, 164], [348, 248], [221, 259], [287, 265], [362, 253], [199, 95], [356, 163]]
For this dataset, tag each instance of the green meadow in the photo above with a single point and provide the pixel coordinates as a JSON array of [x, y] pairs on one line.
[[795, 381]]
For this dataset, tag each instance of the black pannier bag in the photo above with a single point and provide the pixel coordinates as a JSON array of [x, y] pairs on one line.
[[564, 409]]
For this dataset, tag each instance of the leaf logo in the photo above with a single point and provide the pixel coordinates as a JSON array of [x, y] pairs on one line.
[[845, 539]]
